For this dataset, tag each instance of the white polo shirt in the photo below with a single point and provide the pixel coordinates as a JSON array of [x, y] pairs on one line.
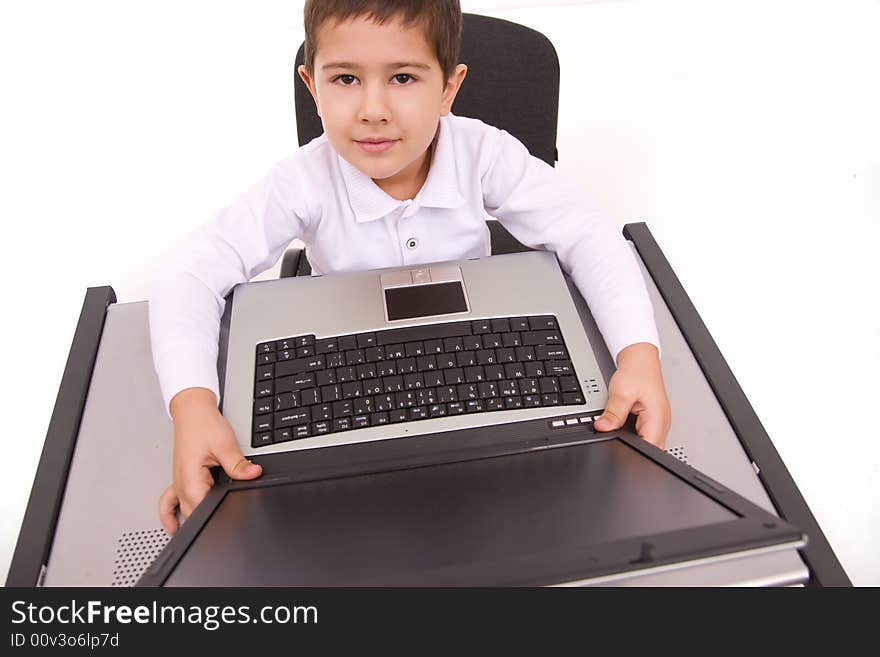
[[348, 223]]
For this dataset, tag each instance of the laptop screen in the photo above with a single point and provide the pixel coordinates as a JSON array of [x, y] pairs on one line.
[[467, 521]]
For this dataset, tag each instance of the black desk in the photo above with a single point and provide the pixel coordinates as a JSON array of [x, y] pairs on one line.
[[87, 524]]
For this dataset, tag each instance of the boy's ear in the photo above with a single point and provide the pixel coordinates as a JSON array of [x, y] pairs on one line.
[[453, 84], [310, 84]]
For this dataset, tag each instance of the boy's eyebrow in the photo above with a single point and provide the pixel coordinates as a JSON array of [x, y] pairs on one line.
[[349, 65]]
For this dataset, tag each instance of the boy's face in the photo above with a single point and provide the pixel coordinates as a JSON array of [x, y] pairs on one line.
[[381, 82]]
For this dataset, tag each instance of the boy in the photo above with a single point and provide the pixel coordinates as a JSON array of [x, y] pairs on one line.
[[395, 179]]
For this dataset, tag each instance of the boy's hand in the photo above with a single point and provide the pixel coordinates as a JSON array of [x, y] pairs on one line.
[[637, 387], [202, 438]]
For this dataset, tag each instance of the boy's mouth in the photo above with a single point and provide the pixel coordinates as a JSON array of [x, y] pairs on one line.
[[375, 144]]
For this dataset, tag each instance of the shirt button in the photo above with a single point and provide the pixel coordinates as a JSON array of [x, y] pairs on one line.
[[412, 243]]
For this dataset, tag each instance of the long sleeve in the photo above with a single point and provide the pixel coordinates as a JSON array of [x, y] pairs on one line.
[[239, 242], [544, 209]]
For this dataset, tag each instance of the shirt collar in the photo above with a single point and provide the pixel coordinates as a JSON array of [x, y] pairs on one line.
[[369, 202]]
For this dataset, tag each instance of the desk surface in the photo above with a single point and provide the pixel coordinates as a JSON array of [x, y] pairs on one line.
[[108, 531]]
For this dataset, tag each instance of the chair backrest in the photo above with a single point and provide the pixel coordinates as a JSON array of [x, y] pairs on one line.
[[512, 83]]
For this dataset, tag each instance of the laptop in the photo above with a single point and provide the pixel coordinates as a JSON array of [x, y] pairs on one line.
[[433, 426]]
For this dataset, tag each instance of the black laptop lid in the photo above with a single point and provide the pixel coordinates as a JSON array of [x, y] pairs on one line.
[[539, 517]]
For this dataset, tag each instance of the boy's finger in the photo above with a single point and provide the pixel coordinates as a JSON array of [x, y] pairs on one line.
[[167, 504], [616, 411], [236, 465], [650, 427]]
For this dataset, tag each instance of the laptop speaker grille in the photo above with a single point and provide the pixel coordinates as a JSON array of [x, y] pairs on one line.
[[135, 551], [679, 453]]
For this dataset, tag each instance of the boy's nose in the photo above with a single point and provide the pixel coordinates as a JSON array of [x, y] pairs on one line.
[[374, 106]]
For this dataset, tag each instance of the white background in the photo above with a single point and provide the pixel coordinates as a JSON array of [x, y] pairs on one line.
[[743, 132]]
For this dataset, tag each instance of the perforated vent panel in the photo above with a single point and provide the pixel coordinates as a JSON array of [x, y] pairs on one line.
[[679, 453], [135, 552]]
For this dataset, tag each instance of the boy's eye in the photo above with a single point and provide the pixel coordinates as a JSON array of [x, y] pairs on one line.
[[347, 79], [407, 77]]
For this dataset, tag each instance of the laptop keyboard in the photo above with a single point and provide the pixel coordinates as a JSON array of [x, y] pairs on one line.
[[307, 386]]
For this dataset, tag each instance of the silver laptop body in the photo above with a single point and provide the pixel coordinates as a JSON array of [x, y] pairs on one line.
[[505, 286]]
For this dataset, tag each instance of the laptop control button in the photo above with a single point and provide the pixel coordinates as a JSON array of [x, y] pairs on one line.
[[571, 421], [396, 278], [558, 423], [421, 275]]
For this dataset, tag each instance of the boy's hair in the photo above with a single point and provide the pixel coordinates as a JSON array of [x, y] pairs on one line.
[[440, 20]]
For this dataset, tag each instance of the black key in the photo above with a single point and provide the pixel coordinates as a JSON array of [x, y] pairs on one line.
[[531, 400], [529, 387], [303, 380], [447, 394], [413, 381], [488, 389], [492, 341], [302, 431], [365, 340], [351, 389], [264, 405], [519, 323], [474, 406], [434, 379], [542, 337], [465, 359], [549, 384], [451, 345], [525, 354], [486, 357], [331, 393], [345, 374], [336, 359], [264, 389], [384, 402], [342, 424], [304, 340], [310, 396], [285, 354], [467, 391], [305, 351], [363, 405], [536, 369], [265, 347], [373, 386], [455, 408], [281, 435], [453, 376], [359, 421], [568, 384], [430, 332], [346, 342], [481, 325], [404, 399], [265, 359], [511, 340], [494, 404], [366, 371], [406, 366], [263, 423], [291, 417], [494, 372], [437, 410], [398, 415], [513, 402], [395, 351], [500, 325], [378, 418], [412, 349], [322, 412], [433, 346], [559, 367], [374, 354], [386, 368], [342, 408], [550, 352], [426, 397], [474, 374], [505, 355], [325, 345], [542, 322], [445, 361], [288, 344], [261, 439], [508, 388], [325, 377], [550, 400], [355, 357], [514, 370], [426, 363], [418, 413], [286, 400], [321, 427], [393, 383], [572, 398], [472, 342]]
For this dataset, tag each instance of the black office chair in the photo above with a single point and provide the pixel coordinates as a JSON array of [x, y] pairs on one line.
[[512, 83]]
